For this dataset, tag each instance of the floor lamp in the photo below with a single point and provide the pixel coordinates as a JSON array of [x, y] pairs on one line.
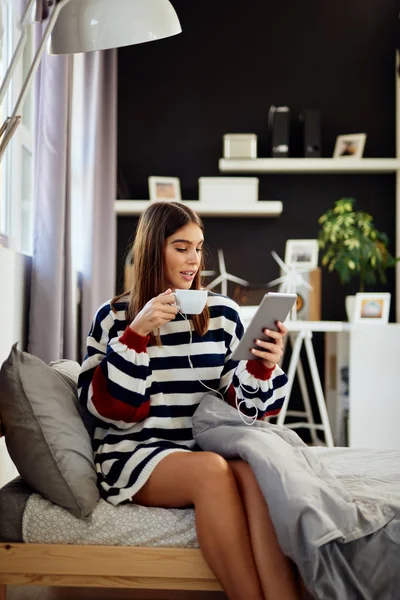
[[83, 26]]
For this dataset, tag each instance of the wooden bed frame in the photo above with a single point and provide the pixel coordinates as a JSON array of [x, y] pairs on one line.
[[104, 566]]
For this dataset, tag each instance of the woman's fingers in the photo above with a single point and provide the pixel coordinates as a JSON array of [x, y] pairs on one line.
[[271, 356], [268, 348], [275, 335], [169, 309], [282, 328], [165, 298]]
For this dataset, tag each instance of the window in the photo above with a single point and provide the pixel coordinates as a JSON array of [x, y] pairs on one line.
[[16, 168]]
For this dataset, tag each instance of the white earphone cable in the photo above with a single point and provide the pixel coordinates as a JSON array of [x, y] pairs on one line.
[[247, 420]]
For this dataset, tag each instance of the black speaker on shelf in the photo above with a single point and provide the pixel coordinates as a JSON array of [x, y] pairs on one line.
[[311, 124], [279, 126]]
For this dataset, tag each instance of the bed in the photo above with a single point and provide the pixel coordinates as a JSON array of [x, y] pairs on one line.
[[47, 538], [34, 550], [94, 565]]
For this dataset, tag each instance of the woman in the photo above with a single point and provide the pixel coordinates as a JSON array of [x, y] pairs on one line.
[[137, 381]]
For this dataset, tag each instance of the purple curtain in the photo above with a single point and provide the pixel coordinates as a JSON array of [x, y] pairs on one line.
[[53, 332], [95, 179]]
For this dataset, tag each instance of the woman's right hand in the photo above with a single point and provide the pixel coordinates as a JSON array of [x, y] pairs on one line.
[[156, 312]]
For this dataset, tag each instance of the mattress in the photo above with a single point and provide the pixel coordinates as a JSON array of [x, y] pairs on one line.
[[27, 516]]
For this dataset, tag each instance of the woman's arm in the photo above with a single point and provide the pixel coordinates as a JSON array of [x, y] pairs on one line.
[[115, 380], [251, 380]]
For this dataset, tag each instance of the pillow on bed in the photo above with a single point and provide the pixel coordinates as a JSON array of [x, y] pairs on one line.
[[44, 432]]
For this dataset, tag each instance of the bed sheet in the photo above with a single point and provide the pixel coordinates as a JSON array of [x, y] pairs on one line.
[[132, 525]]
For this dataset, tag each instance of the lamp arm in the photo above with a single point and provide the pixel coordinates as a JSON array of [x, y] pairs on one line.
[[18, 51], [28, 79]]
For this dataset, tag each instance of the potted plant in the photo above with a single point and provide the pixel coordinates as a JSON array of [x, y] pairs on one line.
[[353, 246]]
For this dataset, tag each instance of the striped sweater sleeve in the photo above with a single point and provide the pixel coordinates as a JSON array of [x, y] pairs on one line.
[[260, 387], [115, 379]]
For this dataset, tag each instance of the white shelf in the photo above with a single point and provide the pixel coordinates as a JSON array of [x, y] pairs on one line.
[[309, 165], [263, 208]]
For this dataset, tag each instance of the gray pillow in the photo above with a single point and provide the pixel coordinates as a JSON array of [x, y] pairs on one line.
[[44, 433]]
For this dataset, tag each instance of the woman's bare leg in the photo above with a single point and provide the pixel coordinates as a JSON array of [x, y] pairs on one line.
[[205, 480], [275, 571]]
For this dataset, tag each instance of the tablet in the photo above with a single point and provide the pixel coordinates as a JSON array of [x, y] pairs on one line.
[[275, 306]]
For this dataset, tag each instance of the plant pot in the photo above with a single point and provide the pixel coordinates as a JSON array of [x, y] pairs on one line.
[[350, 305]]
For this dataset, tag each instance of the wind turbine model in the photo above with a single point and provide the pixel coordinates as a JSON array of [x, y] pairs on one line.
[[291, 280], [224, 277], [207, 273]]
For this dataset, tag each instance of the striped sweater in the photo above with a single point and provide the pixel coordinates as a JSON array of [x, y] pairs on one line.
[[143, 396]]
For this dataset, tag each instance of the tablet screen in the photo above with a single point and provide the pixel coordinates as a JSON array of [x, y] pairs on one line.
[[275, 306]]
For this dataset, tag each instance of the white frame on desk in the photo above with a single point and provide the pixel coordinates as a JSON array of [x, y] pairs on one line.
[[383, 298]]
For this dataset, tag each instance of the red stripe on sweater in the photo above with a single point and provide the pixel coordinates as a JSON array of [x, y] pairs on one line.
[[256, 368], [111, 408], [272, 413], [134, 341], [230, 396]]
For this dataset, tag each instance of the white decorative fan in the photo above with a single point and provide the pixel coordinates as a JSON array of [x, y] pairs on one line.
[[291, 280], [224, 277]]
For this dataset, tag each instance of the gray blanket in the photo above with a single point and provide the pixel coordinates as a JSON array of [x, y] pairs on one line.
[[346, 546]]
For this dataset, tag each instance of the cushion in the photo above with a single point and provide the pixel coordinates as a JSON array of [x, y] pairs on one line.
[[13, 498], [44, 432], [69, 370]]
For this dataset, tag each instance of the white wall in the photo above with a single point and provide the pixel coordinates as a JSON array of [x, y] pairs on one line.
[[14, 278]]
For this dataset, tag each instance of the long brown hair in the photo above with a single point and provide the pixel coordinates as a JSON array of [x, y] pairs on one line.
[[158, 222]]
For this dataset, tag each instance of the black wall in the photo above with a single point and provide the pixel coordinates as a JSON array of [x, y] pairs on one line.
[[234, 58]]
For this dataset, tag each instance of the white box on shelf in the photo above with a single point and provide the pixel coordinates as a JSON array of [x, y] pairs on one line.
[[235, 190], [240, 145]]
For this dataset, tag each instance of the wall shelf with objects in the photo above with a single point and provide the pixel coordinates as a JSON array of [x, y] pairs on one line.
[[363, 166], [309, 165], [262, 208]]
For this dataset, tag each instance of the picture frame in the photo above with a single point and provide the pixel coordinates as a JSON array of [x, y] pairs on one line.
[[371, 308], [350, 146], [302, 253], [164, 189]]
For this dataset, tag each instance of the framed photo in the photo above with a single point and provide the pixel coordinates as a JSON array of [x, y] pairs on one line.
[[302, 253], [350, 146], [371, 307], [167, 189]]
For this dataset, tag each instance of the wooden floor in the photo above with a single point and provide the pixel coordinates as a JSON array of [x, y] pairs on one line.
[[45, 593]]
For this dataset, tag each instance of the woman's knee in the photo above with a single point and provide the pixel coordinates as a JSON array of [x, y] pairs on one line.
[[211, 472], [181, 477], [211, 465]]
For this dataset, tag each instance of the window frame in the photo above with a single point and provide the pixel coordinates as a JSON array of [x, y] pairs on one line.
[[16, 204]]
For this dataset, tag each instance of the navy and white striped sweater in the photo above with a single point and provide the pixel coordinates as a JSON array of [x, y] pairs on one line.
[[144, 396]]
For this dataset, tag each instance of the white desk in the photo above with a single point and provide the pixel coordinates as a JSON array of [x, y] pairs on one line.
[[362, 378]]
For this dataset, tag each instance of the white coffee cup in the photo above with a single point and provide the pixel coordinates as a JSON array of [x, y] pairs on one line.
[[191, 302]]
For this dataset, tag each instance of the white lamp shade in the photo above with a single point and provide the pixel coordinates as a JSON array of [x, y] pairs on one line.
[[87, 25]]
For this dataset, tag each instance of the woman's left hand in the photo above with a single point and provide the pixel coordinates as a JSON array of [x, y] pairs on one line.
[[270, 353]]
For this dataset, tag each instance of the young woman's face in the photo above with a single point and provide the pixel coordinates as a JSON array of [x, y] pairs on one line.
[[182, 256]]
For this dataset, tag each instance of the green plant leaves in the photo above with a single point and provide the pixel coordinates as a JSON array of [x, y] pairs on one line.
[[352, 245]]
